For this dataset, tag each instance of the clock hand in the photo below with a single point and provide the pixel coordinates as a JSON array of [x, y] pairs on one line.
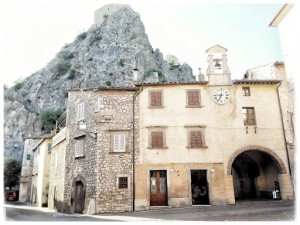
[[220, 96]]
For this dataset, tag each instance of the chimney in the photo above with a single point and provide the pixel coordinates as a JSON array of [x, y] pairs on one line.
[[135, 75], [200, 76]]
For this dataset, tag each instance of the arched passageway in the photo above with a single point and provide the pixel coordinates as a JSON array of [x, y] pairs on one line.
[[254, 173]]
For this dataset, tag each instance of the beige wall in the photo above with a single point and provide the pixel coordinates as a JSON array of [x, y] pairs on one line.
[[57, 170], [225, 134]]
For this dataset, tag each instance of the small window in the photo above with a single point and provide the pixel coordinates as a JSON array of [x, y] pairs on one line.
[[79, 147], [155, 99], [49, 148], [119, 141], [80, 111], [196, 137], [123, 182], [193, 98], [246, 91], [28, 156], [157, 138], [249, 116]]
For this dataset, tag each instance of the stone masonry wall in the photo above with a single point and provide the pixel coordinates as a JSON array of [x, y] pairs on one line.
[[82, 168], [115, 115]]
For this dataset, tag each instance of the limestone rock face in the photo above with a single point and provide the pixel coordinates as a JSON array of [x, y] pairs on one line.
[[105, 55]]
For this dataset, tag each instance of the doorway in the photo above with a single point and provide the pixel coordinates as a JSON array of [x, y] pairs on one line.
[[158, 188], [79, 197], [199, 187]]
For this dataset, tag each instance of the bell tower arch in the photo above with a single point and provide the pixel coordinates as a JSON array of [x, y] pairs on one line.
[[218, 72]]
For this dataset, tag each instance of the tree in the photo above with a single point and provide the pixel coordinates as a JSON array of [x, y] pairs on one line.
[[12, 170], [49, 118]]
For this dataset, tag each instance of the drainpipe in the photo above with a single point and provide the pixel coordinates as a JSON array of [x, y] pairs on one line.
[[133, 144], [282, 122]]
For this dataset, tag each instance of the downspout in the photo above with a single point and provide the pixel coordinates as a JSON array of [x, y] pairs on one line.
[[282, 122], [133, 145]]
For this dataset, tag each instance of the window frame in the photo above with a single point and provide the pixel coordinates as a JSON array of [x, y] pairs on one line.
[[157, 129], [188, 105], [196, 128], [112, 141], [154, 106], [118, 181], [122, 182], [246, 91], [247, 116]]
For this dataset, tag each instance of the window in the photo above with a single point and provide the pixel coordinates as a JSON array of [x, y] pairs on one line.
[[28, 156], [123, 182], [118, 141], [249, 116], [193, 98], [155, 99], [80, 111], [195, 136], [79, 147], [157, 138], [246, 91], [49, 148]]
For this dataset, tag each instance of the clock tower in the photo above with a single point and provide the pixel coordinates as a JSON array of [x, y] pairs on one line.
[[218, 72]]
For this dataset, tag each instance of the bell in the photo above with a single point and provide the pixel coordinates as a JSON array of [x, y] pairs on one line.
[[218, 65]]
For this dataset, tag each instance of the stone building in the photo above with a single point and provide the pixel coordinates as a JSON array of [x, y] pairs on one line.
[[100, 145], [41, 171], [26, 172], [224, 136]]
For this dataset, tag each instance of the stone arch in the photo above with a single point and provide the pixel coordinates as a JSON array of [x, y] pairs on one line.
[[278, 162]]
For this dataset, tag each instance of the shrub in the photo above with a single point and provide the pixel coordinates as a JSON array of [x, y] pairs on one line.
[[49, 118], [72, 75], [63, 66], [82, 36], [18, 85], [148, 72], [108, 83], [121, 62]]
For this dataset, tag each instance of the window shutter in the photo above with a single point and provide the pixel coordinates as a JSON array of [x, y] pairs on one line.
[[80, 112], [119, 142], [196, 139], [157, 139], [155, 99], [193, 98]]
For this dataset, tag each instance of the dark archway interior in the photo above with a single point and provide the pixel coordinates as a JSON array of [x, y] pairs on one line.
[[254, 173]]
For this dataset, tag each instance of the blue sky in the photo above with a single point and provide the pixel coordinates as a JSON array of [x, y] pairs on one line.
[[34, 31]]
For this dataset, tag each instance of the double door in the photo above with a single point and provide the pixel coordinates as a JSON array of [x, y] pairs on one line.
[[158, 188]]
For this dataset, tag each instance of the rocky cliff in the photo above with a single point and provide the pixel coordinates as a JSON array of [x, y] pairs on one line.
[[104, 55]]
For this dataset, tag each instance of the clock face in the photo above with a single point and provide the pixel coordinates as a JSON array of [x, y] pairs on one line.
[[221, 95]]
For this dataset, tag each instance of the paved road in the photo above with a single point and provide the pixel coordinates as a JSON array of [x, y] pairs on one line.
[[242, 211]]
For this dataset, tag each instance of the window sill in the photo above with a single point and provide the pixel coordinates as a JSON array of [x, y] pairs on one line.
[[157, 148], [196, 147], [156, 107], [116, 153], [198, 106]]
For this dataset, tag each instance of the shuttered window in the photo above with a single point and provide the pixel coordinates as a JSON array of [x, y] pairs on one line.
[[196, 139], [193, 98], [79, 147], [119, 144], [249, 116], [80, 112], [157, 139], [155, 98]]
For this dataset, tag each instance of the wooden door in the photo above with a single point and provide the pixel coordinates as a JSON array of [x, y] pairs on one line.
[[158, 188], [79, 197]]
